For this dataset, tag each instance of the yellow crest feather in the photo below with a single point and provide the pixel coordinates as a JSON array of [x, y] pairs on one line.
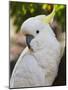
[[49, 18]]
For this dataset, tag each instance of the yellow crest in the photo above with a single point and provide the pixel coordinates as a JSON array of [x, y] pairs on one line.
[[49, 18]]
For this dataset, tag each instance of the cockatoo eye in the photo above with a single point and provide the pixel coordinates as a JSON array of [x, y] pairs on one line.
[[37, 31]]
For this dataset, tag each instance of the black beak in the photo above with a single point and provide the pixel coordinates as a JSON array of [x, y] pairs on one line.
[[28, 39]]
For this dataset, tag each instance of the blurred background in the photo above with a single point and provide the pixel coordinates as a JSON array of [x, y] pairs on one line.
[[18, 13]]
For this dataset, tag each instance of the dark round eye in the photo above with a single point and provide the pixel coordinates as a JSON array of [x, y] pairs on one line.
[[37, 31]]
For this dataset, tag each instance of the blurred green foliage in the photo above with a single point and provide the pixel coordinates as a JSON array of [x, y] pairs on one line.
[[23, 10]]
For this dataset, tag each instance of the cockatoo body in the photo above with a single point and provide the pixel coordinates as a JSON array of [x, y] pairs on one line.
[[38, 63]]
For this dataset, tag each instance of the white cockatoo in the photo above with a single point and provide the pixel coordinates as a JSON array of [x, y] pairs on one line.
[[38, 63]]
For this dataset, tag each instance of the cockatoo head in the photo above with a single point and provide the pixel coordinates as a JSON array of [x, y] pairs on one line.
[[37, 30]]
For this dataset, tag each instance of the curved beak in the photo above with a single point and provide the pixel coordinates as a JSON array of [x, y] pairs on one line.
[[28, 40]]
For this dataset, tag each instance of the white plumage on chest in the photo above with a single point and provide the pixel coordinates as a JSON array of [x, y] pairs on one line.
[[37, 68]]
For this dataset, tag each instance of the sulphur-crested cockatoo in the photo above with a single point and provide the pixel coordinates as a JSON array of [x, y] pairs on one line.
[[38, 63]]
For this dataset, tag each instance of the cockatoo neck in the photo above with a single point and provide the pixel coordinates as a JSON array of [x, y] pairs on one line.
[[47, 54]]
